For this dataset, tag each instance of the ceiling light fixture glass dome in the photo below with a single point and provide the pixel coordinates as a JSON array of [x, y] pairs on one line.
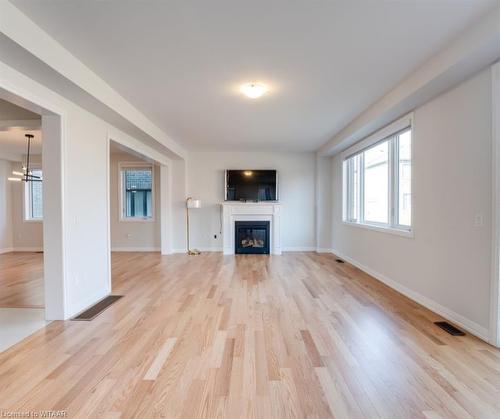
[[253, 90]]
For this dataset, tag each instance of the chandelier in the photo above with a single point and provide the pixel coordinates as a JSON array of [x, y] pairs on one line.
[[26, 175]]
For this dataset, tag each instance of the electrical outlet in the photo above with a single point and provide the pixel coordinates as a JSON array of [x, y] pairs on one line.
[[128, 235], [478, 220], [215, 236]]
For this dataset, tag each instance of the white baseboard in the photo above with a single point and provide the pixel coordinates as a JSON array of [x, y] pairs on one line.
[[219, 249], [135, 249], [28, 249], [323, 250], [209, 249], [299, 249], [6, 250], [201, 249], [469, 325], [286, 249]]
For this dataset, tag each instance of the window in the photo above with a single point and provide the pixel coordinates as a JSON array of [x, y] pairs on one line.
[[33, 202], [404, 178], [377, 179], [136, 192]]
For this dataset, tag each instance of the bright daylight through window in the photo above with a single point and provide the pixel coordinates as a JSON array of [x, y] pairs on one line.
[[34, 198], [377, 183]]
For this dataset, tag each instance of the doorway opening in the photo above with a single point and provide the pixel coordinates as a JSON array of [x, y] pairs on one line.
[[22, 299], [135, 212]]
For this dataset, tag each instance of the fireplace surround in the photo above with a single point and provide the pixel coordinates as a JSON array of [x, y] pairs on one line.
[[233, 211]]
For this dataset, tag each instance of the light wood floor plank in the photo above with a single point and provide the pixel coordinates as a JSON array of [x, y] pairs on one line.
[[251, 336]]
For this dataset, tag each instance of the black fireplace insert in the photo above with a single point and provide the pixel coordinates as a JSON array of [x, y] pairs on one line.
[[251, 237]]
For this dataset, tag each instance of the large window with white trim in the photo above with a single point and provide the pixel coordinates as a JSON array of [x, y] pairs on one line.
[[377, 179]]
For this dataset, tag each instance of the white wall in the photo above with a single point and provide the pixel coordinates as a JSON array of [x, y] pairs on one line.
[[132, 235], [85, 214], [6, 243], [16, 233], [323, 204], [447, 264], [296, 173], [179, 195], [26, 235]]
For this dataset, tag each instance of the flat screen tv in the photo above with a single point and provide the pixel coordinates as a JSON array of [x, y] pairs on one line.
[[251, 185]]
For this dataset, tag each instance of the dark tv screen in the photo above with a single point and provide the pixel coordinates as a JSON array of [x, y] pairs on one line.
[[251, 185]]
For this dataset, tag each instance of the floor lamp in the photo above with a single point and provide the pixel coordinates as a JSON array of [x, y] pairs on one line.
[[191, 203]]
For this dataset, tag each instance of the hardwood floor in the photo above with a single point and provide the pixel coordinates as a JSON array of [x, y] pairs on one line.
[[21, 280], [296, 335]]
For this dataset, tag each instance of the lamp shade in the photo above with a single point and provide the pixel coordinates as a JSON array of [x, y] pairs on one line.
[[193, 203]]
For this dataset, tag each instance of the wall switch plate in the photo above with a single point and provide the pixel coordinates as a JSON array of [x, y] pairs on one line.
[[128, 235], [478, 220]]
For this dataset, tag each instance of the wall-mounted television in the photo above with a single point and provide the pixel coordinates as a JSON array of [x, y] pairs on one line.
[[251, 185]]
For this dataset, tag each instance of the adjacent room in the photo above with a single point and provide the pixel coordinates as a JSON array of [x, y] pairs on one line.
[[134, 201], [21, 250], [266, 209]]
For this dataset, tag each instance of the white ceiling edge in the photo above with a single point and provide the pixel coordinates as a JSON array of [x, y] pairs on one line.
[[476, 49], [22, 30], [132, 146]]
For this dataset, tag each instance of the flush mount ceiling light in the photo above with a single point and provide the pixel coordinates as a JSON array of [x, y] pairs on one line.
[[253, 90]]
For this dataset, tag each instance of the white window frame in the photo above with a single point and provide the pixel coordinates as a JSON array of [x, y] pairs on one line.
[[135, 165], [389, 133], [27, 199]]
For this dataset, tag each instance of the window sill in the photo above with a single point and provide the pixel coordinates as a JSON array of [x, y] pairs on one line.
[[388, 230], [33, 220]]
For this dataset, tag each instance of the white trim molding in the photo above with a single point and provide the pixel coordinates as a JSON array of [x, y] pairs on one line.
[[389, 130], [299, 249], [136, 249], [233, 211], [201, 249], [28, 249], [353, 186], [472, 327], [494, 337]]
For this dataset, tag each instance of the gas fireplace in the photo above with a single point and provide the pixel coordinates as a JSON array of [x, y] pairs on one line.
[[251, 237]]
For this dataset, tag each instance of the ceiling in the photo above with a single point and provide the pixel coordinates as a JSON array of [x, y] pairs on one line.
[[117, 148], [181, 62], [13, 144], [9, 111]]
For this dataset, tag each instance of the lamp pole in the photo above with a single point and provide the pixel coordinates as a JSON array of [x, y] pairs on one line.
[[189, 251]]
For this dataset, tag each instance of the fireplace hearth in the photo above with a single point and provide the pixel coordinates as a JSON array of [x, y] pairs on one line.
[[251, 237]]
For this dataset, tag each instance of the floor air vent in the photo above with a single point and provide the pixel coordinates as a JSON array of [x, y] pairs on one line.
[[339, 261], [447, 327], [96, 309]]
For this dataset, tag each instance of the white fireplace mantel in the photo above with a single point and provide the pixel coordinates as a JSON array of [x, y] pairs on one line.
[[233, 211]]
